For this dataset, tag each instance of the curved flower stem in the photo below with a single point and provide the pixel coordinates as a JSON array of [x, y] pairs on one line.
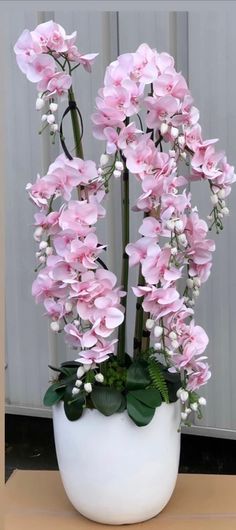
[[75, 126], [138, 320], [125, 261]]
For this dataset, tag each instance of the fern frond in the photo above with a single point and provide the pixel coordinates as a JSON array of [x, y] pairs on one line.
[[158, 379]]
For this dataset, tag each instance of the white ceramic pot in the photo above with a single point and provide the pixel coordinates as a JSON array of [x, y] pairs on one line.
[[113, 471]]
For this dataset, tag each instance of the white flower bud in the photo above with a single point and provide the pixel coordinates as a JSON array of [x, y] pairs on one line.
[[49, 251], [37, 254], [210, 217], [194, 406], [149, 323], [202, 401], [187, 410], [181, 140], [78, 383], [158, 331], [38, 232], [191, 303], [189, 283], [174, 251], [173, 335], [196, 292], [220, 215], [104, 159], [53, 107], [54, 326], [221, 194], [183, 395], [164, 128], [42, 259], [80, 372], [54, 127], [214, 199], [44, 117], [88, 387], [157, 346], [184, 416], [197, 281], [75, 391], [119, 165], [174, 132], [182, 240], [99, 378], [183, 156], [68, 307], [175, 344], [169, 352], [179, 226], [50, 118], [43, 245], [116, 174], [225, 211], [100, 171], [87, 367], [39, 103], [76, 322], [170, 224], [172, 153]]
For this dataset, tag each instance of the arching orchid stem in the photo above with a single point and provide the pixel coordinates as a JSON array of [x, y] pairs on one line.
[[125, 261], [75, 126]]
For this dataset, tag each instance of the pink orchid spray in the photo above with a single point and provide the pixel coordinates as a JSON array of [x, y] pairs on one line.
[[79, 295]]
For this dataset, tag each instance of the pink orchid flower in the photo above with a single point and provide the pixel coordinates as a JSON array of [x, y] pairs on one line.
[[97, 354]]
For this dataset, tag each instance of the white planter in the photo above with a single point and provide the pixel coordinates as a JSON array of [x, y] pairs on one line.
[[113, 471]]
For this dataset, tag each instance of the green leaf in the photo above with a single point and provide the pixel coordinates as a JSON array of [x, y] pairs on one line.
[[71, 364], [158, 379], [141, 414], [123, 404], [137, 376], [150, 397], [53, 394], [105, 399], [73, 407]]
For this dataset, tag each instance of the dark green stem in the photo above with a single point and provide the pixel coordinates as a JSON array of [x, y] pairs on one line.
[[125, 261], [75, 126]]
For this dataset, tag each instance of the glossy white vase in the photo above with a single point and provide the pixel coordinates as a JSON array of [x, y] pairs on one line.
[[113, 471]]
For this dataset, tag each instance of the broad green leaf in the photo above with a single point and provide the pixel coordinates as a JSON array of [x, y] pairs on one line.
[[123, 404], [138, 376], [138, 412], [105, 399], [71, 364], [53, 394], [73, 405], [150, 397]]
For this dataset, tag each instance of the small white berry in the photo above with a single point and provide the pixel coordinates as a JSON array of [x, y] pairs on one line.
[[202, 401], [88, 387], [189, 283], [179, 226], [170, 224], [44, 117], [225, 211], [221, 194], [174, 132], [164, 128], [104, 159], [158, 331], [75, 391], [99, 378], [80, 372], [116, 174], [53, 107], [54, 326], [50, 118], [78, 383], [43, 245], [39, 103], [49, 251], [194, 406], [68, 307], [119, 165], [149, 323], [214, 199]]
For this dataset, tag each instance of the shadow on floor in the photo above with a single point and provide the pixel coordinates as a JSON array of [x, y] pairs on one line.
[[30, 445]]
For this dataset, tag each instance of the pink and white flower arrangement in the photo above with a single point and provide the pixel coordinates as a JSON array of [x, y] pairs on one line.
[[80, 296]]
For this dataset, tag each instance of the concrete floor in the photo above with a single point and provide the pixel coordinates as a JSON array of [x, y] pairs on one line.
[[30, 445]]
